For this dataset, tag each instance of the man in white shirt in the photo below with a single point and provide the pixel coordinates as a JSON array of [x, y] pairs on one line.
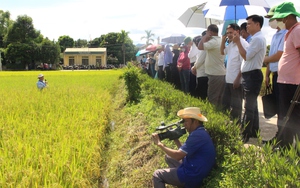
[[199, 70], [160, 62], [251, 73], [233, 92], [194, 51]]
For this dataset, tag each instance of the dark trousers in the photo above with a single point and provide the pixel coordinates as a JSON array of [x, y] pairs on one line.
[[161, 73], [193, 83], [252, 81], [185, 80], [175, 76], [168, 74], [287, 134], [201, 88], [233, 101], [152, 69], [275, 89]]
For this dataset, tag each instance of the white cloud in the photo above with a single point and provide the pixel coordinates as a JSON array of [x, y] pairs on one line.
[[88, 19]]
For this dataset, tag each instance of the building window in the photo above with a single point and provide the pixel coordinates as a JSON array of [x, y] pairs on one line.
[[85, 60], [98, 61], [71, 60]]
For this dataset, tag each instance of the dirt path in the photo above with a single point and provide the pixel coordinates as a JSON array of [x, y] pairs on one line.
[[268, 127]]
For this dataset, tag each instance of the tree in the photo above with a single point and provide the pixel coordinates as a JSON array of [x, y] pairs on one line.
[[112, 43], [148, 37], [81, 43], [21, 53], [96, 42], [65, 42], [5, 22], [21, 41], [49, 52], [22, 30]]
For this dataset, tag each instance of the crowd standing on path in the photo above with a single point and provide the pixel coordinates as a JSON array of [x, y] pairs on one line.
[[245, 47]]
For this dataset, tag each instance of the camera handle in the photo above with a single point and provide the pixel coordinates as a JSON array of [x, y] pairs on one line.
[[163, 126]]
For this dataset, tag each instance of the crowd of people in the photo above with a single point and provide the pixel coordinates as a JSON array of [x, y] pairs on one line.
[[205, 75]]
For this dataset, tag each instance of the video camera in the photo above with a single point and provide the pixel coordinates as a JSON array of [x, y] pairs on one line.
[[172, 131]]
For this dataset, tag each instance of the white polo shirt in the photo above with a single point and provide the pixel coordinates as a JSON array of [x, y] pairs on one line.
[[234, 60], [255, 53]]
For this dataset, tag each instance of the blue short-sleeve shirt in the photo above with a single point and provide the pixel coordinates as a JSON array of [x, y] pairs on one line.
[[200, 158], [41, 84]]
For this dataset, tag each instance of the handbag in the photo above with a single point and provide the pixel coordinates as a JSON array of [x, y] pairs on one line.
[[269, 103]]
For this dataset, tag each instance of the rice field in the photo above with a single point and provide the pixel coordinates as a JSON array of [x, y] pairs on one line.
[[54, 137]]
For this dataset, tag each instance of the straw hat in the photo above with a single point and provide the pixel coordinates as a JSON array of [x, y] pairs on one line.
[[40, 75], [175, 47], [191, 112], [159, 47]]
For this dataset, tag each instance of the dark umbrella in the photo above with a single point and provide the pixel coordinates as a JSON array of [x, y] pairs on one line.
[[174, 38]]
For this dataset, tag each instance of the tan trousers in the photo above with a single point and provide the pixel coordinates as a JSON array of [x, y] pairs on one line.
[[167, 175]]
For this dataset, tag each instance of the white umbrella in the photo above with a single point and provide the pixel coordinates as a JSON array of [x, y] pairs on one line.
[[194, 17]]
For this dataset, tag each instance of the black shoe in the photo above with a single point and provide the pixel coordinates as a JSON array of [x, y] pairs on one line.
[[245, 138]]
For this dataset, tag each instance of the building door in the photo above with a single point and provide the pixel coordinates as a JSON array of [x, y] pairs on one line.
[[98, 61], [85, 60], [71, 61]]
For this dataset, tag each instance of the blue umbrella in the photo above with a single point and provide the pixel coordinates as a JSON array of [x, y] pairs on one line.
[[234, 9], [261, 3]]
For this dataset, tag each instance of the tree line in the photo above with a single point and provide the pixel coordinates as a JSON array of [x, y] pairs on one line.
[[24, 47]]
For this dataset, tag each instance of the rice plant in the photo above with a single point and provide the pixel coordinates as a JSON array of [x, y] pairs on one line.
[[54, 137]]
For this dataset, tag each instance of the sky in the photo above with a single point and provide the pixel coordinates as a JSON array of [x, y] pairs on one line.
[[89, 19]]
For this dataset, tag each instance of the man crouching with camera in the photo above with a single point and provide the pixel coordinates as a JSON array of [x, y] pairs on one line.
[[193, 160]]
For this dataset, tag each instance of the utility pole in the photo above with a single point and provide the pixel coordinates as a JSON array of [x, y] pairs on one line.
[[123, 48], [0, 61]]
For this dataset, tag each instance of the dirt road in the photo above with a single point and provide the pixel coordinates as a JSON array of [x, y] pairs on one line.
[[268, 127]]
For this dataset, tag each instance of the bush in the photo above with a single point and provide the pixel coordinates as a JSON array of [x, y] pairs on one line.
[[132, 83], [237, 166]]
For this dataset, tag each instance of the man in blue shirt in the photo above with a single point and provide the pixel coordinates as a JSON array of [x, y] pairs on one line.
[[244, 33], [41, 83], [193, 161], [276, 50]]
